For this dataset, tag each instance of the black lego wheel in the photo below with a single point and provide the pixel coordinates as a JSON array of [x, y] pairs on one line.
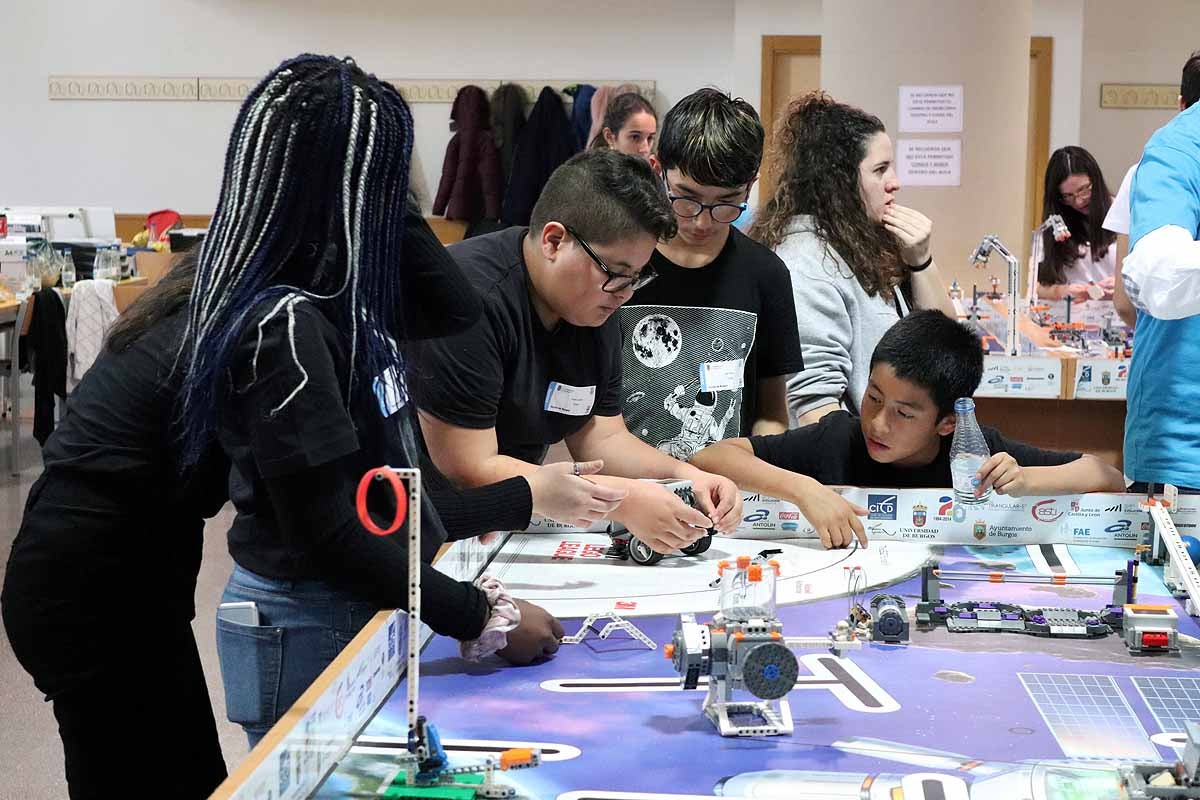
[[699, 546], [769, 670], [641, 553]]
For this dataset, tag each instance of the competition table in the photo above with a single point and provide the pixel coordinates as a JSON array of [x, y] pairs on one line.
[[947, 715], [1052, 398]]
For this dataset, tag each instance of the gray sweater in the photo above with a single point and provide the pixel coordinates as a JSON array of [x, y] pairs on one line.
[[839, 323]]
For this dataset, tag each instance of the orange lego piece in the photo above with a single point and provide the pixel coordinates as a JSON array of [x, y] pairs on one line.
[[754, 573], [516, 757]]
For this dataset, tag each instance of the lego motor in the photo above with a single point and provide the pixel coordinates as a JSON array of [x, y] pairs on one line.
[[889, 619]]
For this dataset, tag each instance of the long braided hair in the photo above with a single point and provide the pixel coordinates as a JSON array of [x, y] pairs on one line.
[[311, 209], [818, 147]]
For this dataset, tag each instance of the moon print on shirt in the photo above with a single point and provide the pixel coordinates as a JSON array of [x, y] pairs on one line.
[[662, 350]]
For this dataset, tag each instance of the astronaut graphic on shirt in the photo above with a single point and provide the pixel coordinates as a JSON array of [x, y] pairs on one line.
[[673, 401], [700, 429]]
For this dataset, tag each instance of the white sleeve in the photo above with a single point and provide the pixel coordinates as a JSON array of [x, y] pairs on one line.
[[1162, 274], [1117, 219]]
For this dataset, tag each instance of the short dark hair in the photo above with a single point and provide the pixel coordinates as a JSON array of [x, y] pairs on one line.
[[939, 354], [1189, 84], [606, 196], [714, 139]]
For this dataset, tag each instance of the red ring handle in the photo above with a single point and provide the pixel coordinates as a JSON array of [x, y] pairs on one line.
[[360, 500]]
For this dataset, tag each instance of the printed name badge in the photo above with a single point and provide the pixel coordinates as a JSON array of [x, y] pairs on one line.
[[574, 401], [720, 376], [390, 392]]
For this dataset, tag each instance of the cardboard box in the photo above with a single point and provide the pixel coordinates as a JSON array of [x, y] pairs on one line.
[[151, 265]]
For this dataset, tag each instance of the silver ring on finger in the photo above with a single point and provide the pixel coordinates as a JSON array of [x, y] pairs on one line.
[[575, 468]]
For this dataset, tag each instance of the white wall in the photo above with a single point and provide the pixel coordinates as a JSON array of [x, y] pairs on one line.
[[755, 19], [1063, 19], [139, 156]]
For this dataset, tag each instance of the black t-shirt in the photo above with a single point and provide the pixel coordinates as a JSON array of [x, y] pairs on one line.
[[738, 308], [298, 451], [112, 519], [502, 372], [833, 451]]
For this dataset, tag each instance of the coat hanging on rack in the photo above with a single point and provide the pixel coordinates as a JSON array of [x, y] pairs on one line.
[[581, 112], [471, 185], [546, 141], [508, 118]]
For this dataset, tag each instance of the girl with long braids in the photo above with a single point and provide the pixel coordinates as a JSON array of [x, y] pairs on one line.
[[314, 274], [857, 258]]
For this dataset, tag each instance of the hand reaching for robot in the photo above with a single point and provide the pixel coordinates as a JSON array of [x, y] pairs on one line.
[[719, 498], [656, 516], [537, 636], [833, 517], [561, 494]]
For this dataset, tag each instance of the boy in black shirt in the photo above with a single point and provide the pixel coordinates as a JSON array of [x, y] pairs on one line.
[[919, 368], [707, 347], [543, 363]]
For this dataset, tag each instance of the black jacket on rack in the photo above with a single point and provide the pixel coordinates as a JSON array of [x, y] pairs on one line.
[[546, 141], [508, 118], [44, 352]]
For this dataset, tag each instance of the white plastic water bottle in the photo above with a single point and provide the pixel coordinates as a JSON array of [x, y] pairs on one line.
[[968, 452], [68, 269]]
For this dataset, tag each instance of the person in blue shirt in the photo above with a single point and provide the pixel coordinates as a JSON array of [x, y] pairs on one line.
[[1162, 278]]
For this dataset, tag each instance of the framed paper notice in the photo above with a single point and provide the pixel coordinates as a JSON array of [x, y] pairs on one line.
[[931, 109]]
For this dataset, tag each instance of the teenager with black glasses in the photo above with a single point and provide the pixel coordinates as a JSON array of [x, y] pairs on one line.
[[543, 363]]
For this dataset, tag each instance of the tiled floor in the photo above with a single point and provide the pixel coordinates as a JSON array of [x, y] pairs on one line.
[[29, 746]]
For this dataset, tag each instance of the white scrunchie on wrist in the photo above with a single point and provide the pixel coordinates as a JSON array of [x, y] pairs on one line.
[[505, 616]]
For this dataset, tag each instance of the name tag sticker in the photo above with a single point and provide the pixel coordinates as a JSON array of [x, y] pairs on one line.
[[574, 401], [720, 376], [390, 393]]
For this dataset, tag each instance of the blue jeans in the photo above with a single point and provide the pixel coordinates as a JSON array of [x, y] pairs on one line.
[[302, 626]]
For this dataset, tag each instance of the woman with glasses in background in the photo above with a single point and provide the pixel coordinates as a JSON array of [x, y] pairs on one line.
[[1083, 266], [859, 260]]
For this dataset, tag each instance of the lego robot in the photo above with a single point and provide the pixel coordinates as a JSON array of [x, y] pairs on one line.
[[423, 770], [626, 545], [743, 648]]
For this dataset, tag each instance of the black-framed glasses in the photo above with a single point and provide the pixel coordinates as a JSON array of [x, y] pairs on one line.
[[615, 281], [687, 208], [1083, 193]]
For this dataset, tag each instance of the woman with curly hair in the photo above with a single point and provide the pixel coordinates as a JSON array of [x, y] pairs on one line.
[[858, 259]]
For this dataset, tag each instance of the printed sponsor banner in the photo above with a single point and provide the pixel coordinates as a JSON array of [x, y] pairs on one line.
[[1101, 378], [1006, 376], [933, 515]]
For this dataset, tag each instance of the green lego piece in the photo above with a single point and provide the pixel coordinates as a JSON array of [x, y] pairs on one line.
[[398, 790]]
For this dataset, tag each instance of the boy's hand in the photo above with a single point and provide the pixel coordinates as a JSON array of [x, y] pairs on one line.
[[719, 498], [1002, 473], [653, 513], [835, 519]]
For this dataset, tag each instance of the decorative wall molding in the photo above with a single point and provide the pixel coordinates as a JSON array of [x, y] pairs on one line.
[[225, 89], [121, 87], [1157, 96], [143, 87]]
